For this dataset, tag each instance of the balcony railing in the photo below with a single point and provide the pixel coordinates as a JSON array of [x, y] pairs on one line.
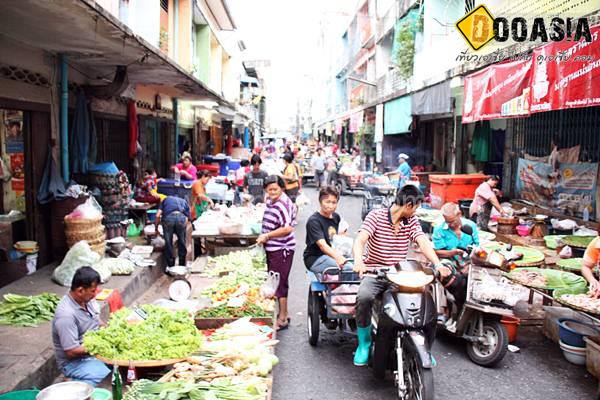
[[389, 84]]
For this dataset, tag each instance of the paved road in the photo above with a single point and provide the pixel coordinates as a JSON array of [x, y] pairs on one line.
[[326, 372]]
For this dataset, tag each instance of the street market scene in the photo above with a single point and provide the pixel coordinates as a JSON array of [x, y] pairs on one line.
[[275, 199]]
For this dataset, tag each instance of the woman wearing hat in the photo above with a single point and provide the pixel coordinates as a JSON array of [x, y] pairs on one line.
[[403, 169]]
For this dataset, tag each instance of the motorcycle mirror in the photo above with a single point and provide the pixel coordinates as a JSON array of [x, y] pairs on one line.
[[467, 229]]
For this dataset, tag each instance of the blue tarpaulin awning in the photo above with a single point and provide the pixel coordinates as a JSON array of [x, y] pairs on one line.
[[397, 116]]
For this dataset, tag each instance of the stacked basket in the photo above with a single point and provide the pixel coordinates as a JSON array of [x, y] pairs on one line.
[[90, 230]]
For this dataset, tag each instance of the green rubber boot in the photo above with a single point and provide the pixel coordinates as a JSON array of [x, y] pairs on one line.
[[361, 356]]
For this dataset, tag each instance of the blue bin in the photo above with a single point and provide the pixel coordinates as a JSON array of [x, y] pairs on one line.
[[233, 165], [151, 214], [20, 395]]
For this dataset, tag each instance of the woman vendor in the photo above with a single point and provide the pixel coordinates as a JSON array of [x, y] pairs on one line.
[[321, 227], [279, 240], [291, 177], [185, 168], [200, 200], [485, 198], [590, 261]]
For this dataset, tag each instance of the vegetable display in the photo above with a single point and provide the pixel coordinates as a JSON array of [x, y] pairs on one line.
[[224, 311], [162, 335], [20, 310], [547, 279], [224, 389], [578, 241], [239, 261]]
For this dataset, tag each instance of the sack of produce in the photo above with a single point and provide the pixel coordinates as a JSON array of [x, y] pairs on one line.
[[80, 255]]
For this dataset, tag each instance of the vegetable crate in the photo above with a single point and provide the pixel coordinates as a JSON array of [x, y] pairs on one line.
[[215, 323]]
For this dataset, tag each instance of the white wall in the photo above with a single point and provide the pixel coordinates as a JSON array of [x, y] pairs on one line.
[[144, 20], [441, 43]]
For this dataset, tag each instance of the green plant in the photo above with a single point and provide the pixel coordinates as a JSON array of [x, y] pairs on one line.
[[163, 40], [405, 44], [365, 139]]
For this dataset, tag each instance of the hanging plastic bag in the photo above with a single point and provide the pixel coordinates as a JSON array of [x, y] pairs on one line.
[[302, 200], [343, 300], [88, 210], [5, 174], [343, 245], [268, 289]]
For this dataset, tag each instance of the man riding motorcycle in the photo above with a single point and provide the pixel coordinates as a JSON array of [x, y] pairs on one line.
[[451, 240], [387, 234]]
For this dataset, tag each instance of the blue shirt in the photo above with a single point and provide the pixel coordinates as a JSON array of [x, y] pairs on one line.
[[174, 203], [405, 172], [444, 238]]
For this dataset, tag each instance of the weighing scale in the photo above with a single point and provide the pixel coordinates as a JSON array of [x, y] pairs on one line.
[[181, 288]]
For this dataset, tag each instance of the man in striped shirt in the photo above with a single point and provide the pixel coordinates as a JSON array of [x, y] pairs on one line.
[[387, 235]]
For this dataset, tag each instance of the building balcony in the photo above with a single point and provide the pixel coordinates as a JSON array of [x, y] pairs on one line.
[[389, 84]]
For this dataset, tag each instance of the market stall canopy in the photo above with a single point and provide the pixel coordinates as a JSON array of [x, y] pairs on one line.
[[96, 41], [432, 100]]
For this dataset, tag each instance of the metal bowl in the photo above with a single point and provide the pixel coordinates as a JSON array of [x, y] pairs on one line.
[[72, 390]]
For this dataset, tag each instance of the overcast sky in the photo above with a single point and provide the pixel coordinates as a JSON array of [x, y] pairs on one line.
[[286, 32]]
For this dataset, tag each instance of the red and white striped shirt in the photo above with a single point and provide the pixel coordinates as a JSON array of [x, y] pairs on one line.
[[386, 247]]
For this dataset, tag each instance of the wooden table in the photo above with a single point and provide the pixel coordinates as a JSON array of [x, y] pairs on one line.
[[141, 212], [242, 241]]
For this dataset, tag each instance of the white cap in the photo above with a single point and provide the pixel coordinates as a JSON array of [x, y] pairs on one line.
[[402, 155]]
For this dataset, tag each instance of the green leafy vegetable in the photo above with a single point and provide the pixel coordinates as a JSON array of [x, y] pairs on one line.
[[218, 389], [27, 310], [163, 335], [223, 311]]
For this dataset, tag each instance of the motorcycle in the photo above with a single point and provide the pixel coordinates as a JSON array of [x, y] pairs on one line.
[[403, 329], [487, 300]]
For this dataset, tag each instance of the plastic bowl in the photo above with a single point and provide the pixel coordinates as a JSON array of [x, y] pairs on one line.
[[575, 355], [523, 230], [572, 332], [101, 394]]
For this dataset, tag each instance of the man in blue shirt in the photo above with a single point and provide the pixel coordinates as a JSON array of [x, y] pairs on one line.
[[450, 241], [403, 169], [174, 213]]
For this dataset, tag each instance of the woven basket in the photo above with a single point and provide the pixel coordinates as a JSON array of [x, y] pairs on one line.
[[79, 224], [91, 234], [92, 242]]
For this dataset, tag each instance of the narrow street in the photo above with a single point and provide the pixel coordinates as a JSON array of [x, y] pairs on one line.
[[538, 371]]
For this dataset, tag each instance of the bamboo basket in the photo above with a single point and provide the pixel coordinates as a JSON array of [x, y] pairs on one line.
[[81, 224], [90, 235]]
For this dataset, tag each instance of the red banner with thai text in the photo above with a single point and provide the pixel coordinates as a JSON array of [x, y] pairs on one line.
[[566, 74], [498, 91]]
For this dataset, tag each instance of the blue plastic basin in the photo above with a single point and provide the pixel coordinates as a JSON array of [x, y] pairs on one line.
[[572, 332]]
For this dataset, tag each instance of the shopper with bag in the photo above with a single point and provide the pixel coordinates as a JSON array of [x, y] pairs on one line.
[[279, 240], [291, 177]]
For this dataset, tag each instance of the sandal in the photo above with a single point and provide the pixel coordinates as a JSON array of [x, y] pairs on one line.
[[282, 327]]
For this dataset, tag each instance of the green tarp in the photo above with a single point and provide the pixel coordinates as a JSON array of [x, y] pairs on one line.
[[397, 116]]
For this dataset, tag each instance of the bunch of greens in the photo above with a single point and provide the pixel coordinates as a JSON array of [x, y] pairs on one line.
[[223, 311], [253, 279], [222, 389], [162, 335], [27, 310], [245, 261]]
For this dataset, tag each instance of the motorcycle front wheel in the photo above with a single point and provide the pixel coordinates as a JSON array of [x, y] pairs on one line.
[[494, 348], [418, 380]]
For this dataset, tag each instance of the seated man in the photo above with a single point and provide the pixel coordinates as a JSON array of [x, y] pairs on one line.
[[451, 240], [320, 229], [591, 260], [76, 314]]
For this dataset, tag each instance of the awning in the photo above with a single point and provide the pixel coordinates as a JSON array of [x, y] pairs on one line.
[[249, 80], [97, 42], [432, 100], [397, 116]]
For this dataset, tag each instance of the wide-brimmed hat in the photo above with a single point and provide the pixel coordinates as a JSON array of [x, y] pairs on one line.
[[403, 155]]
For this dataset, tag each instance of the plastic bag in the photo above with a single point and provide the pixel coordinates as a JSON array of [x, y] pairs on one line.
[[566, 252], [343, 245], [116, 266], [268, 289], [344, 299], [88, 210], [158, 242], [302, 200], [80, 255]]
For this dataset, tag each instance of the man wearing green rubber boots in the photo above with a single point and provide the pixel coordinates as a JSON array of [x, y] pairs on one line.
[[387, 234]]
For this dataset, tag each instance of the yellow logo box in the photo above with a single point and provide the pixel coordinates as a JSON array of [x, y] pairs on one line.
[[477, 27]]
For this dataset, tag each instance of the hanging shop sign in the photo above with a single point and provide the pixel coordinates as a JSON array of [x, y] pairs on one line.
[[569, 189], [499, 91], [356, 121], [566, 75]]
